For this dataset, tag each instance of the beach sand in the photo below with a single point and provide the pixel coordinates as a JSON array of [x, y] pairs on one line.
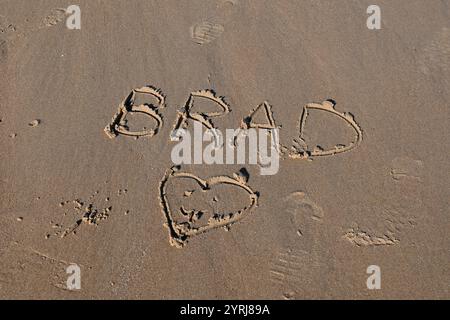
[[70, 194]]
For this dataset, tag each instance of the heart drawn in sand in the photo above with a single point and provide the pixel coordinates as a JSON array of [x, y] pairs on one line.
[[180, 232]]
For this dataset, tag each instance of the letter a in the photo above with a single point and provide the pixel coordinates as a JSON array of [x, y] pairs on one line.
[[374, 280], [73, 21], [374, 20], [181, 153], [74, 280]]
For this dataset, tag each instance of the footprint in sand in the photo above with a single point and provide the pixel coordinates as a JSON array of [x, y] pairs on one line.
[[405, 168], [294, 273], [302, 211], [388, 220], [396, 214], [392, 222], [435, 56], [362, 237], [297, 264], [211, 29], [206, 32], [287, 270], [22, 263]]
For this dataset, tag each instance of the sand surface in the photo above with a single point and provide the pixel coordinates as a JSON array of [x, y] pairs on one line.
[[319, 222]]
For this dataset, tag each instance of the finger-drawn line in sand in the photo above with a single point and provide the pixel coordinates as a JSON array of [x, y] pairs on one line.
[[206, 32], [119, 125], [204, 118], [180, 233], [249, 123], [301, 150], [264, 107]]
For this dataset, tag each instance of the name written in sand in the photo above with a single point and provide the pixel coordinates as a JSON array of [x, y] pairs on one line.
[[202, 109]]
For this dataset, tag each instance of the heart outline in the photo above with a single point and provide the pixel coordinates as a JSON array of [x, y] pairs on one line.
[[180, 235]]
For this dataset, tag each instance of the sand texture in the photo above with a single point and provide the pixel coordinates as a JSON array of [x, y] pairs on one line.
[[86, 175]]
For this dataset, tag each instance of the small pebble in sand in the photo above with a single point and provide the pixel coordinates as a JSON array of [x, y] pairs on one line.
[[78, 203], [35, 123], [127, 212], [188, 193], [13, 135], [20, 219], [289, 295], [107, 199]]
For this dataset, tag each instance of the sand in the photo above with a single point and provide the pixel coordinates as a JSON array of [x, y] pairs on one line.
[[373, 189]]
